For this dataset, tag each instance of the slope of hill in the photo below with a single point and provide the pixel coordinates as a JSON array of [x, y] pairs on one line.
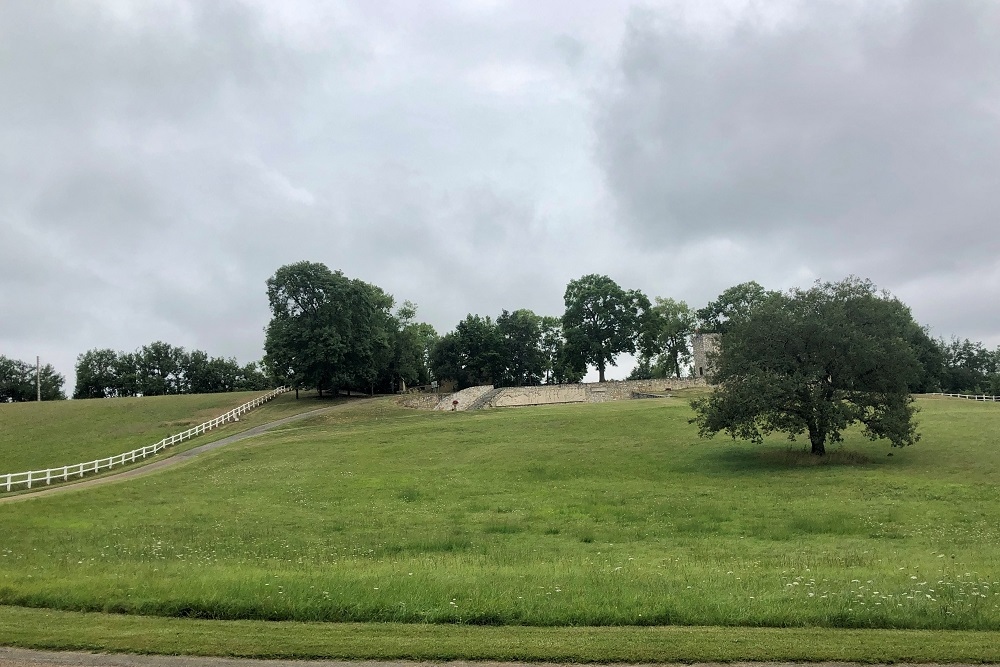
[[610, 514], [56, 433]]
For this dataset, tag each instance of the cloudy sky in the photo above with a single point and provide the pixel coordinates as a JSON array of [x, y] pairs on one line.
[[159, 160]]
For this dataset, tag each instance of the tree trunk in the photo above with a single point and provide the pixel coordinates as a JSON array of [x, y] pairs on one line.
[[600, 371], [818, 440]]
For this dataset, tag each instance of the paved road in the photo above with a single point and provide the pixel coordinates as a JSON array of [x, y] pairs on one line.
[[176, 459]]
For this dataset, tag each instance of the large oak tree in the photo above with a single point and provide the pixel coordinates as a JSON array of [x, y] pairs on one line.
[[815, 362], [602, 320], [327, 331]]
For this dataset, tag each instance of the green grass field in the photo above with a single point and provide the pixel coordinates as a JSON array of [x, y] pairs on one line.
[[35, 436], [584, 515]]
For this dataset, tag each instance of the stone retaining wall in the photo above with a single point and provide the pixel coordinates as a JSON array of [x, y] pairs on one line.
[[464, 397], [594, 392]]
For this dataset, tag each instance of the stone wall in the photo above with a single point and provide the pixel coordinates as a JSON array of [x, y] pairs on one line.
[[543, 395], [595, 392], [621, 390], [464, 397]]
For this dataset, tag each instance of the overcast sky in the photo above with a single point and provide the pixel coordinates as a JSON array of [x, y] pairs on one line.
[[160, 160]]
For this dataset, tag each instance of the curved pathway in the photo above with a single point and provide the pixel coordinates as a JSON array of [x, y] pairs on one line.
[[176, 459]]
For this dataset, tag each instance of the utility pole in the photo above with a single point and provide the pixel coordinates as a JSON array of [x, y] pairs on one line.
[[38, 378]]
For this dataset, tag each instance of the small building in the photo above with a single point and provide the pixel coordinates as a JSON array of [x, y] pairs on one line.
[[704, 347]]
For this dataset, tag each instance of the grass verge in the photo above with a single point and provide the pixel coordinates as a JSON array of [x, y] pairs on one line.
[[54, 630]]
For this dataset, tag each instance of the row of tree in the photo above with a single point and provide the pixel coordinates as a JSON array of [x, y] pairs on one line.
[[158, 369], [332, 333], [968, 367], [601, 321], [21, 381]]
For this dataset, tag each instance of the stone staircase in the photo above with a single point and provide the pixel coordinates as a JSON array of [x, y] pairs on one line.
[[465, 397], [484, 400]]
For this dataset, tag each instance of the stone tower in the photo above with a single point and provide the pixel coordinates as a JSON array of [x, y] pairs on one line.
[[704, 346]]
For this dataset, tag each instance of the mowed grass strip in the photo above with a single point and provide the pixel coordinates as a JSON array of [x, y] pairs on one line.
[[589, 515], [43, 629], [35, 436]]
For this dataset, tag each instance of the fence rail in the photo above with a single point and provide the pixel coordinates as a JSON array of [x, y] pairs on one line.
[[971, 397], [25, 480]]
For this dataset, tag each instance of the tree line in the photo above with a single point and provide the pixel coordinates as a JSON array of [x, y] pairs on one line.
[[331, 333], [160, 369], [334, 333], [20, 381]]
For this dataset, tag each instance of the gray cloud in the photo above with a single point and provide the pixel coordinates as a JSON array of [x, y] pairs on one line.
[[852, 139], [160, 160]]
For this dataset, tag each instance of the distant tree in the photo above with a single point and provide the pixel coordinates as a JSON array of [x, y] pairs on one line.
[[447, 360], [253, 377], [326, 331], [15, 381], [18, 382], [159, 369], [523, 358], [560, 366], [664, 342], [601, 320], [126, 373], [967, 367], [413, 341], [97, 374], [814, 362], [51, 383], [643, 369], [734, 304], [471, 355]]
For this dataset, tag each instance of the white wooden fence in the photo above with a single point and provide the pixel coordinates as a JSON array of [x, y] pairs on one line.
[[972, 397], [26, 479]]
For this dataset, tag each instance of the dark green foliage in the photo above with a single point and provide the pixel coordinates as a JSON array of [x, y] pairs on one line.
[[18, 382], [520, 348], [814, 362], [328, 331], [664, 342], [97, 374], [736, 303], [968, 367], [561, 367], [471, 355], [601, 321], [160, 369], [413, 342]]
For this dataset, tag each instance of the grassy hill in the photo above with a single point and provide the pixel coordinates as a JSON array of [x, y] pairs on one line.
[[35, 436], [610, 514]]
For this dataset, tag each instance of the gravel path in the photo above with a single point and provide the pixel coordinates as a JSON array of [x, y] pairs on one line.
[[177, 459]]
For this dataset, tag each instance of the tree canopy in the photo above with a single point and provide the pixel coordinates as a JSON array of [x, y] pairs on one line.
[[602, 320], [736, 303], [161, 369], [327, 331], [815, 362], [18, 382], [665, 339]]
